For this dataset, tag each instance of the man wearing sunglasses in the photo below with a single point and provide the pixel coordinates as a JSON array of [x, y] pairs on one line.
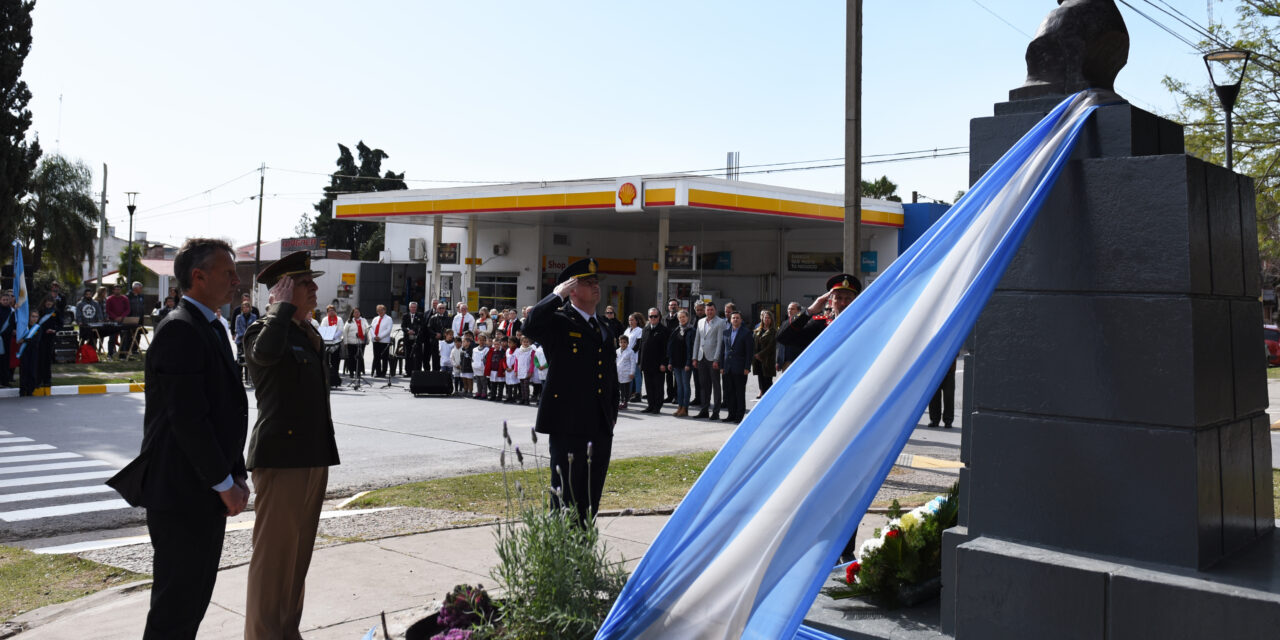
[[653, 359]]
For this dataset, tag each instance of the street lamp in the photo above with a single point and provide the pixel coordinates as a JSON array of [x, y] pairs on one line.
[[133, 195], [1230, 63]]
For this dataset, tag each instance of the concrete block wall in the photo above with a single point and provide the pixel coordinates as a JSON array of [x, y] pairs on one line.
[[1116, 393]]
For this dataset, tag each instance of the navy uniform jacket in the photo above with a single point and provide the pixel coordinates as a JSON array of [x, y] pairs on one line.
[[197, 415], [580, 395], [801, 331]]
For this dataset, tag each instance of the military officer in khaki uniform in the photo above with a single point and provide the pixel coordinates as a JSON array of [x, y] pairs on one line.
[[580, 396], [290, 450]]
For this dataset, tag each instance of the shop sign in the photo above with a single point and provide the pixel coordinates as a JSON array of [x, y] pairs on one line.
[[870, 262], [819, 261], [717, 261], [447, 253], [681, 257]]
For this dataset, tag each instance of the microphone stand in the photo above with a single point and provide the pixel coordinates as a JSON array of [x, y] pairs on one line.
[[356, 365]]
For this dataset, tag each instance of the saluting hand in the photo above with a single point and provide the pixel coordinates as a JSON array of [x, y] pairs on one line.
[[283, 289], [820, 304], [564, 288]]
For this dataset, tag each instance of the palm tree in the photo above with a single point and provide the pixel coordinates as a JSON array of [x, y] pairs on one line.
[[60, 218], [882, 188]]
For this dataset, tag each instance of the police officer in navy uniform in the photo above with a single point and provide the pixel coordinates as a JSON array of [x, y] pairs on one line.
[[580, 396], [802, 330]]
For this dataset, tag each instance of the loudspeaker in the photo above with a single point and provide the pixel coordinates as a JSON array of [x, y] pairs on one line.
[[437, 383]]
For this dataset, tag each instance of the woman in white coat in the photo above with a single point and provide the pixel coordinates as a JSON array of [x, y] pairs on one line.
[[355, 335]]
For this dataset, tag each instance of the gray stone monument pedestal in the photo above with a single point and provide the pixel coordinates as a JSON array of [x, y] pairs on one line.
[[1118, 480]]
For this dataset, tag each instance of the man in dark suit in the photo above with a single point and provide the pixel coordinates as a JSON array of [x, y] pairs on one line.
[[412, 324], [673, 322], [653, 359], [736, 350], [580, 396], [190, 474], [437, 323], [803, 329], [8, 326]]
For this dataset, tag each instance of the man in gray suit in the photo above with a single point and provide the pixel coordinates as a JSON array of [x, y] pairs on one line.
[[706, 359]]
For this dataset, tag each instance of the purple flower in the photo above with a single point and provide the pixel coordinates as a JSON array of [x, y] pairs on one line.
[[534, 432], [519, 456], [453, 634]]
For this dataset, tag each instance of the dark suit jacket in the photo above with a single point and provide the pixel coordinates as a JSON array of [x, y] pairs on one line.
[[736, 356], [290, 379], [195, 422], [680, 349], [415, 322], [653, 347], [580, 395]]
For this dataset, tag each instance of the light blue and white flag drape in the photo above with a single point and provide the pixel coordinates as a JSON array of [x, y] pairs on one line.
[[752, 543], [20, 293]]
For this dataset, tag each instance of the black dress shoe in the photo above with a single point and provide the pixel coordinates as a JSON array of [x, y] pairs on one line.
[[715, 415], [728, 419], [946, 426], [933, 425], [701, 414]]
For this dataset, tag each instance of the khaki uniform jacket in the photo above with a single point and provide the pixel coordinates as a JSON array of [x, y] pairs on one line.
[[290, 378]]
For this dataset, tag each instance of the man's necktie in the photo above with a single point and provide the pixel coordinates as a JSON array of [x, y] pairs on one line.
[[222, 338], [596, 326]]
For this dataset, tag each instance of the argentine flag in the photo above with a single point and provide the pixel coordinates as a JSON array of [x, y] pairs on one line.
[[752, 543], [20, 293]]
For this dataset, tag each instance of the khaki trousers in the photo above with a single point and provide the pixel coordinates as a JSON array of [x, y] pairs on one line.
[[286, 516]]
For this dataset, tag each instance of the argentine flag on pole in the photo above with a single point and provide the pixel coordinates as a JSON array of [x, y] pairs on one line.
[[752, 543], [20, 293]]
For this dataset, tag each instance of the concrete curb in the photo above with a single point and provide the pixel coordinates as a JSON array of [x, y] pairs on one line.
[[79, 389], [44, 615]]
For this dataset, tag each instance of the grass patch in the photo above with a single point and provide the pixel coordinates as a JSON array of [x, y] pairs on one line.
[[1275, 491], [908, 502], [1273, 372], [78, 380], [634, 483], [30, 581], [99, 368]]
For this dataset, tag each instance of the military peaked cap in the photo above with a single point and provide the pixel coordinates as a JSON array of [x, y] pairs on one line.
[[844, 281], [584, 268], [293, 265]]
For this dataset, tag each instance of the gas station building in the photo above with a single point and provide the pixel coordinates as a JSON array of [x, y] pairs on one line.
[[655, 237]]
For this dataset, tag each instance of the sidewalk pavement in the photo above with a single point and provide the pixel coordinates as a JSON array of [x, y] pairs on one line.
[[78, 389], [348, 586]]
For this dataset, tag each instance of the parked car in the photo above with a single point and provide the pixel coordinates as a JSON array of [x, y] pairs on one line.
[[1271, 335]]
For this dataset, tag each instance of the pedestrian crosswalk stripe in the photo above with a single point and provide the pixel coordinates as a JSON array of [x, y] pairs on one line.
[[39, 456], [5, 433], [27, 447], [64, 477], [15, 440], [62, 510], [54, 493], [28, 468]]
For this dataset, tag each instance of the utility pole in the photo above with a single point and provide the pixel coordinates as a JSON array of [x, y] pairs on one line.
[[853, 138], [257, 251], [102, 235]]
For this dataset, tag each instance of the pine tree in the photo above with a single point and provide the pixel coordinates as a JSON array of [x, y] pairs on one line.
[[18, 157]]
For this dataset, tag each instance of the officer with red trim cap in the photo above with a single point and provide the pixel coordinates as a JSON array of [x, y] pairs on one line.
[[802, 330]]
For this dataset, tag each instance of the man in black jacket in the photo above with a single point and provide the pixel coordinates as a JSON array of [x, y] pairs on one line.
[[653, 359], [291, 449], [412, 324], [580, 397], [8, 326], [437, 323], [672, 321], [190, 474]]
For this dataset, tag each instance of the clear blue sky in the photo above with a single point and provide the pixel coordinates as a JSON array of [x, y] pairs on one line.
[[178, 97]]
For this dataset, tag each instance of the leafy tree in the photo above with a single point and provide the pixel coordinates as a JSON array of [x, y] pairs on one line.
[[130, 253], [58, 218], [17, 156], [881, 188], [305, 226], [353, 178], [1256, 128]]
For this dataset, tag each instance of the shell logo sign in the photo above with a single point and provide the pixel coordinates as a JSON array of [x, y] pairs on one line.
[[628, 195]]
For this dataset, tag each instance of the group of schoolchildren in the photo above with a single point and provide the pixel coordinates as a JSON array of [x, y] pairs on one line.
[[508, 369]]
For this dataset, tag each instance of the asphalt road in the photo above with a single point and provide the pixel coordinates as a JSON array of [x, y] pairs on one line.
[[55, 452]]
